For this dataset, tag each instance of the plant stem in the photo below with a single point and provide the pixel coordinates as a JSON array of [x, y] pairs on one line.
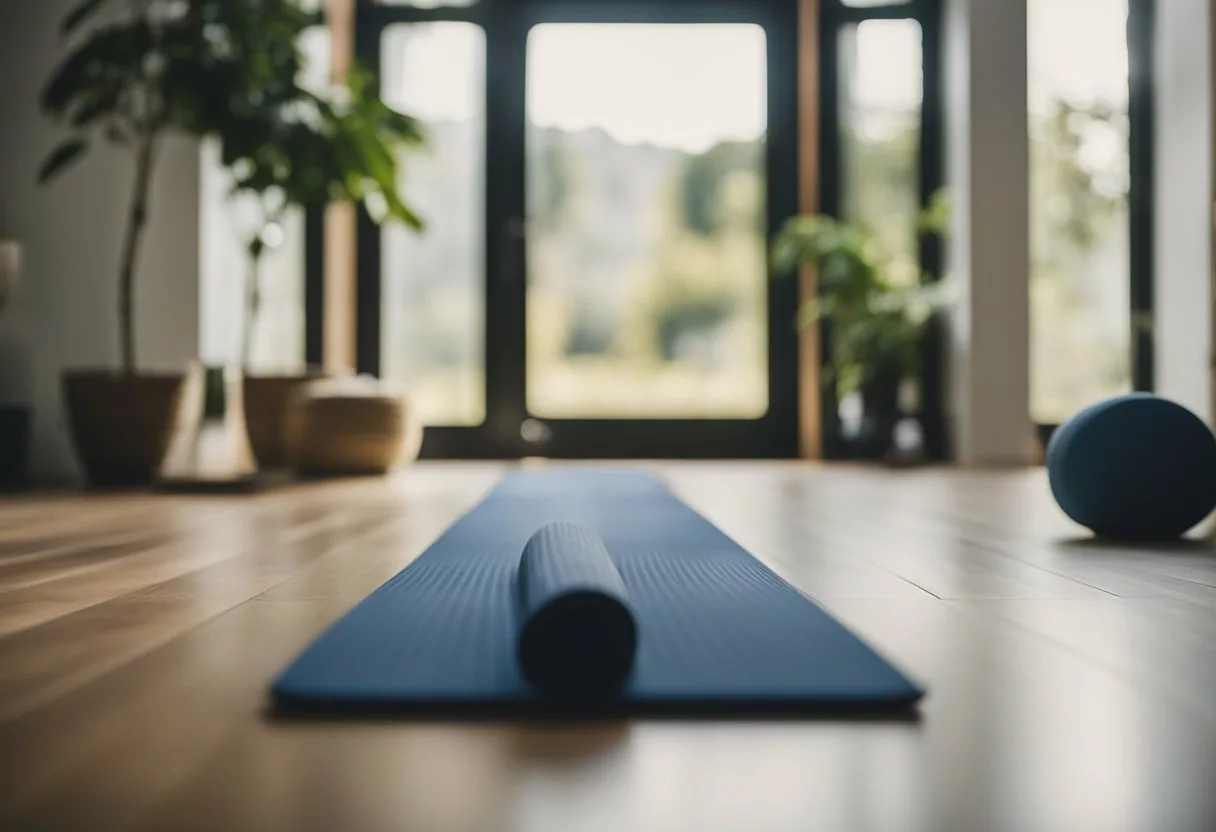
[[253, 289], [136, 224]]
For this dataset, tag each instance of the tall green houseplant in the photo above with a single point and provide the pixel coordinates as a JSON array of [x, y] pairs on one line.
[[136, 71], [311, 150], [339, 145]]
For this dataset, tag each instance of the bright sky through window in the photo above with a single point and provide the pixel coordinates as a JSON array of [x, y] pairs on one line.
[[681, 86], [624, 78], [446, 96], [888, 44], [1083, 70]]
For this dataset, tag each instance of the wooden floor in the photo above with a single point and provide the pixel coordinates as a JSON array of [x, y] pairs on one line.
[[1072, 685]]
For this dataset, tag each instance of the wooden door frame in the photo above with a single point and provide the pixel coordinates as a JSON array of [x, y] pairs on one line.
[[810, 399]]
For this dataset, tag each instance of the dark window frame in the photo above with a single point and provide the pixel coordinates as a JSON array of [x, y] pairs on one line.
[[1142, 125], [835, 17], [774, 435], [1141, 40], [314, 273]]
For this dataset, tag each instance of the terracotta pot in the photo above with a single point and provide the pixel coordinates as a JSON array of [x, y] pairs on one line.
[[267, 402], [121, 424]]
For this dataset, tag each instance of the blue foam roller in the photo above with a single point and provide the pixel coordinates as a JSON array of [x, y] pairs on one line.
[[577, 633], [716, 630], [1136, 467]]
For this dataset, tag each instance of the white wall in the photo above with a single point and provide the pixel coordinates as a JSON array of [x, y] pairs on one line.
[[1184, 180], [71, 232], [988, 177]]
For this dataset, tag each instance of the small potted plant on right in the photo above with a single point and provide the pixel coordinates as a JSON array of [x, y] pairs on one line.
[[313, 150], [877, 321]]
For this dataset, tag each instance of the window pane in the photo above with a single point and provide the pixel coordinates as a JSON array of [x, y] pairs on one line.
[[433, 289], [647, 273], [1080, 280], [880, 99], [227, 223]]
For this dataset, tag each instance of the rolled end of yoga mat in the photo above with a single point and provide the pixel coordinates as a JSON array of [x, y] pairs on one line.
[[577, 634]]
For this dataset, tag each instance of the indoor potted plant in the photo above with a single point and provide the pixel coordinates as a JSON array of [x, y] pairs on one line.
[[310, 151], [131, 77], [877, 313]]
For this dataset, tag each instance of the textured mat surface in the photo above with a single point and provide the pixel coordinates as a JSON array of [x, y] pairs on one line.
[[717, 630]]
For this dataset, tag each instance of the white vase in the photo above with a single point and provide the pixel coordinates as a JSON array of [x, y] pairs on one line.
[[210, 446]]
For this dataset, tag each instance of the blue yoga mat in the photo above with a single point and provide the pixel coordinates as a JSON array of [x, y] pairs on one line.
[[607, 574]]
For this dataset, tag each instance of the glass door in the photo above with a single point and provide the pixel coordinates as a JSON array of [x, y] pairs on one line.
[[657, 149], [602, 181], [422, 297]]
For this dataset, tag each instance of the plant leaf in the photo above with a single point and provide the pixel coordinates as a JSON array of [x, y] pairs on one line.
[[400, 211], [405, 129], [59, 159], [79, 15], [116, 134], [100, 104], [111, 58]]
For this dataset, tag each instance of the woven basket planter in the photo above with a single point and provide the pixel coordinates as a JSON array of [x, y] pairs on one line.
[[345, 430], [121, 424]]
